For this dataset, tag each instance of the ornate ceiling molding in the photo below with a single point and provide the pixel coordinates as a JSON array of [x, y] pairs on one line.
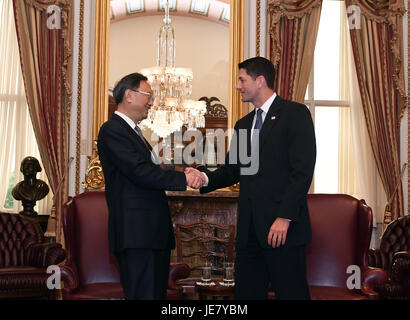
[[215, 11]]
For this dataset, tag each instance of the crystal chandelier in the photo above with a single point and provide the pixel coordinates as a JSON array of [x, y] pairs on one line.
[[171, 110]]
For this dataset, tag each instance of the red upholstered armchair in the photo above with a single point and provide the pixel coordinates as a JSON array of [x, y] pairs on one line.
[[394, 257], [25, 257], [341, 227], [90, 271]]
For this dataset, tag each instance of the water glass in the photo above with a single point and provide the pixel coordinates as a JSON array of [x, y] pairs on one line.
[[206, 272], [228, 273]]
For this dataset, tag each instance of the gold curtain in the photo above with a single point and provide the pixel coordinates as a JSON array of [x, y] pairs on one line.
[[44, 31], [347, 166], [293, 27], [377, 42]]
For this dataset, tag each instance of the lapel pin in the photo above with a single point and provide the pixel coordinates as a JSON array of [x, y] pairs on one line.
[[273, 118]]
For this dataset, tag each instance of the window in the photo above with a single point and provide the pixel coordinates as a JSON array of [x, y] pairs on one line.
[[327, 102]]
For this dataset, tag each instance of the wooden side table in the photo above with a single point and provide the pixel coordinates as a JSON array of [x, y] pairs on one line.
[[216, 292]]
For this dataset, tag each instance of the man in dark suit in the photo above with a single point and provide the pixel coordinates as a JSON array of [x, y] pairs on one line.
[[140, 229], [273, 225]]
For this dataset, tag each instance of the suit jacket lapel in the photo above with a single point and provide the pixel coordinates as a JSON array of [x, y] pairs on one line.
[[271, 119], [131, 131], [248, 127]]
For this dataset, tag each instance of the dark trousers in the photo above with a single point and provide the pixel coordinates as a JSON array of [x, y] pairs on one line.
[[144, 273], [283, 267]]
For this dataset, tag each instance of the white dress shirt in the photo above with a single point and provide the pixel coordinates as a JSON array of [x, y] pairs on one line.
[[126, 119]]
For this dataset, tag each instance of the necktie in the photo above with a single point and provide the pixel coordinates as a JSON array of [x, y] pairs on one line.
[[153, 155], [138, 130], [258, 124]]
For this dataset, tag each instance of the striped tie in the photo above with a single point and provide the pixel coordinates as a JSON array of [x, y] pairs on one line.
[[154, 157], [138, 130]]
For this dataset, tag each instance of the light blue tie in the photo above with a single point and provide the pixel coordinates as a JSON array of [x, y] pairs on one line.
[[258, 123]]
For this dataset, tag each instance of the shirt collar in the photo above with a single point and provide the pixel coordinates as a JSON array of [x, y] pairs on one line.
[[126, 119], [265, 107]]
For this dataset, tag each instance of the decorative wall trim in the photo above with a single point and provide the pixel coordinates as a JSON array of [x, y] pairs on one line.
[[258, 28], [79, 100], [94, 176], [236, 52], [101, 55], [214, 110]]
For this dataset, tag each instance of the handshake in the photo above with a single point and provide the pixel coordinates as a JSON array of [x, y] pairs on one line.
[[194, 178]]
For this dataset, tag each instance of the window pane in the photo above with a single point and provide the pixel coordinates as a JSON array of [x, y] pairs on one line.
[[327, 159], [327, 52], [8, 204]]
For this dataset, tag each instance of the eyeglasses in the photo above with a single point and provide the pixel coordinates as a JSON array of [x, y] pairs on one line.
[[148, 94]]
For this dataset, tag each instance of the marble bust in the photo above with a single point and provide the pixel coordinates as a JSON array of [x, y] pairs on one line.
[[30, 189]]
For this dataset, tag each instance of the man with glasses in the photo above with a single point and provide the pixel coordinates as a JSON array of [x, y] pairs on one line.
[[140, 231]]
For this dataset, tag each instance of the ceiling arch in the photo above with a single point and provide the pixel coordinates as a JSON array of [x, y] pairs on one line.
[[212, 10]]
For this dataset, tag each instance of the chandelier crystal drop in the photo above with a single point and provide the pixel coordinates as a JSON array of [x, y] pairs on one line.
[[172, 86]]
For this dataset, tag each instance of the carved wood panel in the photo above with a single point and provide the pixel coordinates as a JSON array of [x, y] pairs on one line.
[[188, 207]]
